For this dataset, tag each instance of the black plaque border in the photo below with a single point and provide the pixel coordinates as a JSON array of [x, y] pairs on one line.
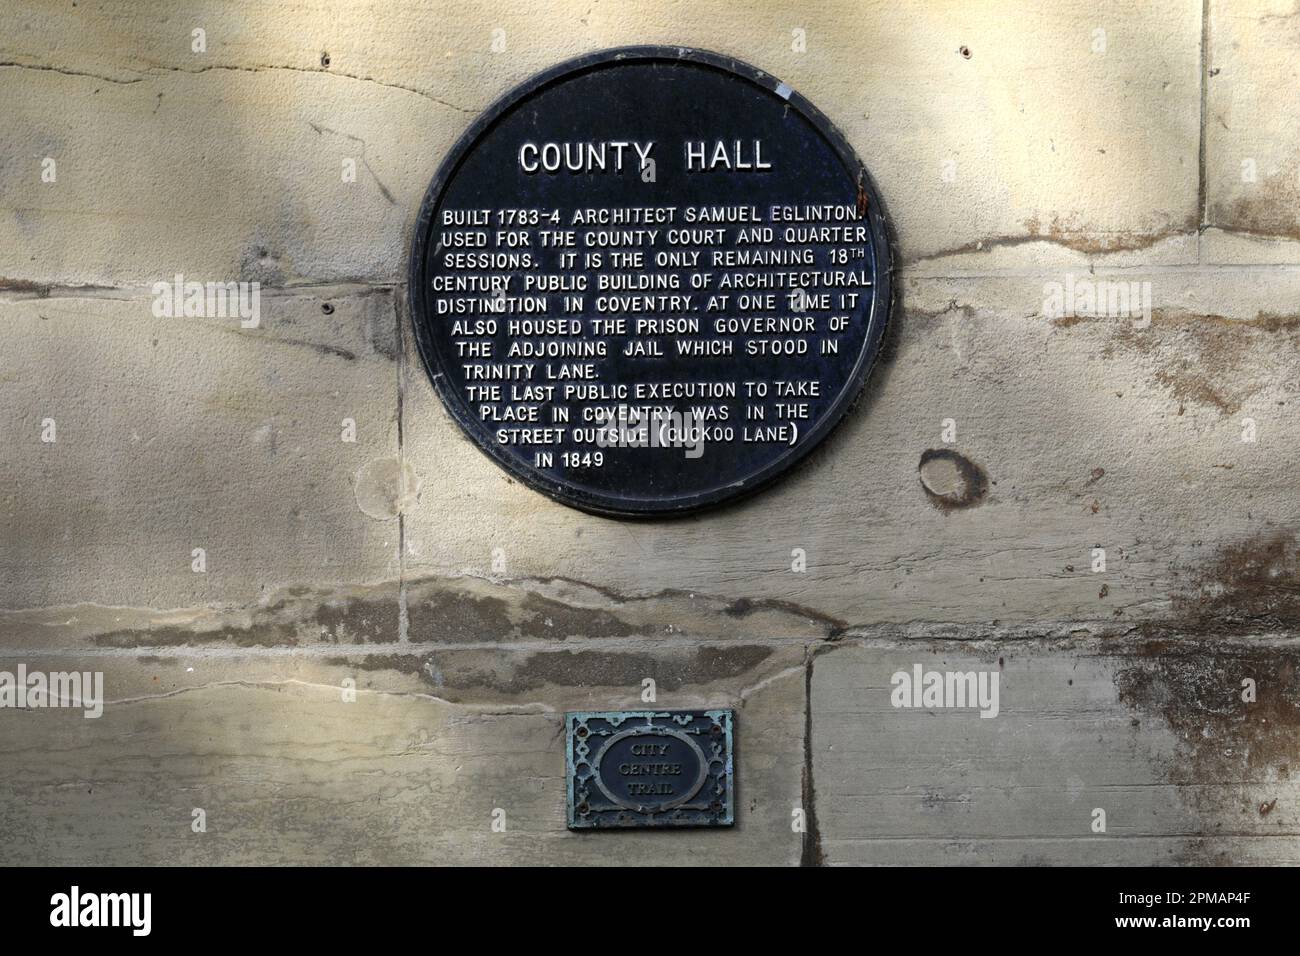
[[629, 507]]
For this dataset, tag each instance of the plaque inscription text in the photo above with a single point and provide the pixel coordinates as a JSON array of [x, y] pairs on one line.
[[650, 280], [650, 769]]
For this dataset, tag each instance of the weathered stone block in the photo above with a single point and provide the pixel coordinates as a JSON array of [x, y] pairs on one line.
[[1252, 173], [287, 770], [1156, 735], [173, 434], [1123, 433]]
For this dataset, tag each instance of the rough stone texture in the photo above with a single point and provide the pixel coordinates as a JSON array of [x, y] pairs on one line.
[[1082, 427], [1252, 169], [1155, 734], [1031, 180], [1016, 147], [286, 771], [183, 433]]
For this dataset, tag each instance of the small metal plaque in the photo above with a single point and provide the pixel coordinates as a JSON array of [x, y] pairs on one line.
[[650, 280], [648, 768]]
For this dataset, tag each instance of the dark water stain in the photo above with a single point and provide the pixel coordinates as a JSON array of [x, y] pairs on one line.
[[471, 671], [1197, 689], [1201, 358], [1265, 208], [306, 618], [466, 611], [1251, 584], [358, 620], [744, 607], [441, 611], [260, 634], [402, 663], [1226, 746]]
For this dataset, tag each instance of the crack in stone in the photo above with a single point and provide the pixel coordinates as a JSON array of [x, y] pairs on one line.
[[494, 710], [20, 290], [156, 71]]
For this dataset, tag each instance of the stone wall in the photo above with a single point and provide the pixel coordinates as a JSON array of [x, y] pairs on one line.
[[1020, 146]]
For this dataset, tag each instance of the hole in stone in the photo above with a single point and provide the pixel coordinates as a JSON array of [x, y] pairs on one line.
[[951, 480]]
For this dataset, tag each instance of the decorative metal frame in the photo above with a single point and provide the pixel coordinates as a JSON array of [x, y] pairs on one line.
[[710, 800]]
